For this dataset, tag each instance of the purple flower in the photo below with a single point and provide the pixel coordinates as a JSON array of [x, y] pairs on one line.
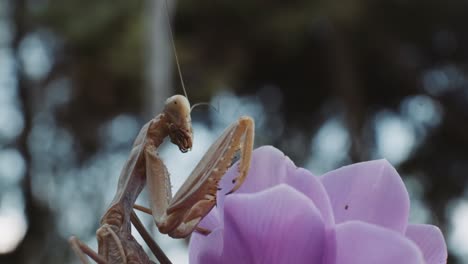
[[357, 214]]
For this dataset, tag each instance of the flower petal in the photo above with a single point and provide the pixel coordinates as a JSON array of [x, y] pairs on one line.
[[277, 225], [268, 168], [206, 249], [363, 243], [310, 185], [430, 241], [372, 192]]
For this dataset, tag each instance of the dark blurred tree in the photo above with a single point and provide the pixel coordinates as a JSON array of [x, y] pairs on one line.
[[39, 217], [98, 49]]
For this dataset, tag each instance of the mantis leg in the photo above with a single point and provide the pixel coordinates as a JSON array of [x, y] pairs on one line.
[[154, 247], [159, 186], [81, 249], [160, 193]]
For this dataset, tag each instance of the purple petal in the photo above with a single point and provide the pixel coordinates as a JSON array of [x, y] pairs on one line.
[[310, 185], [430, 241], [362, 243], [372, 192], [277, 225], [268, 168], [206, 249]]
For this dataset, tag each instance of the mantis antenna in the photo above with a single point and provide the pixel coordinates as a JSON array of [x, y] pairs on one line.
[[203, 103], [177, 60], [175, 50]]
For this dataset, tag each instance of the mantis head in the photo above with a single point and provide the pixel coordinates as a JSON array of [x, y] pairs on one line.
[[177, 111]]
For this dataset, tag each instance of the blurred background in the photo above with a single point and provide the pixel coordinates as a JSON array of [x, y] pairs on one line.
[[327, 82]]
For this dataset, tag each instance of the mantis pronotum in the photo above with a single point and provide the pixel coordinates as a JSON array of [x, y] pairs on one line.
[[176, 216]]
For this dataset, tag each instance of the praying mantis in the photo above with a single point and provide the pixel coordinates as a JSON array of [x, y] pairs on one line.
[[176, 216]]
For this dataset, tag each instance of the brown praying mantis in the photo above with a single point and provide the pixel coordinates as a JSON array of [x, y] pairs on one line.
[[176, 216]]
